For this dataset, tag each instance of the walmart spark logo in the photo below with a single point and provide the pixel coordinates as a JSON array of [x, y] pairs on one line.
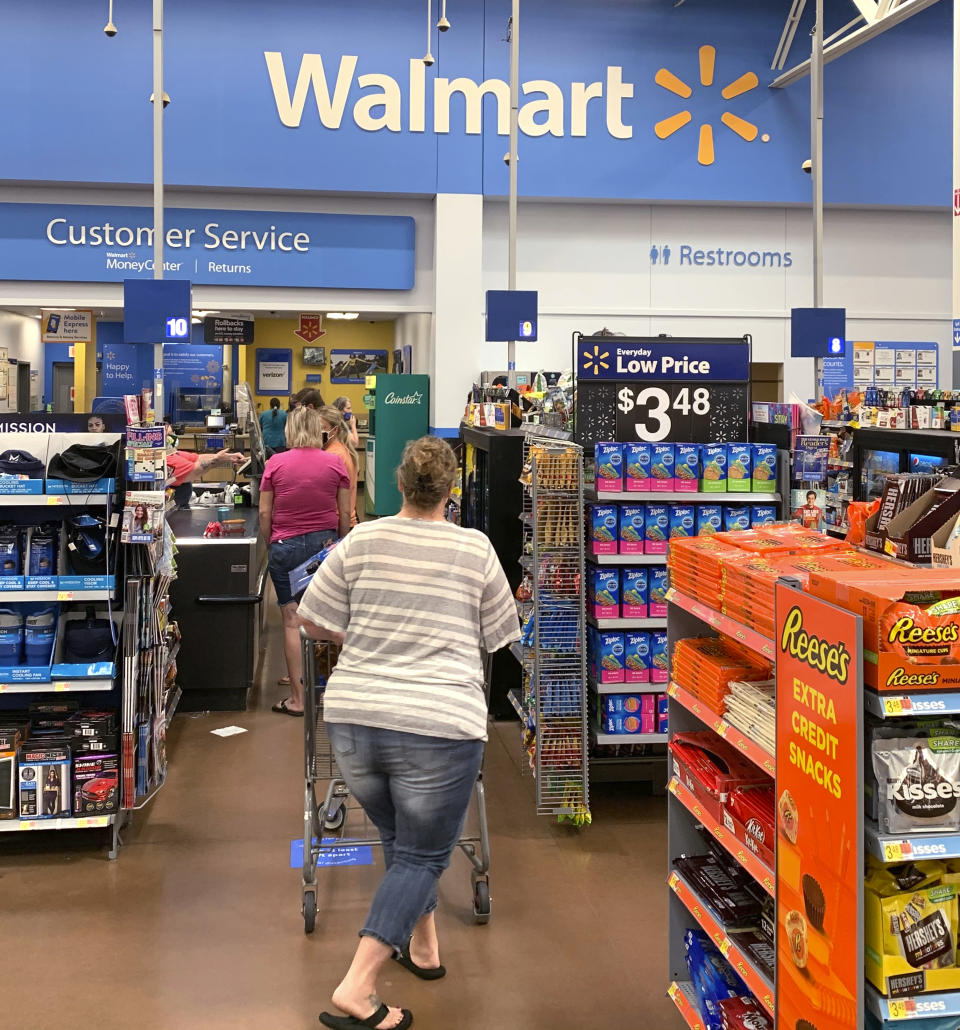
[[744, 129], [594, 360]]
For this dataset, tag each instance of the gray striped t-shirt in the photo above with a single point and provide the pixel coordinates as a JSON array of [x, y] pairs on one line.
[[415, 599]]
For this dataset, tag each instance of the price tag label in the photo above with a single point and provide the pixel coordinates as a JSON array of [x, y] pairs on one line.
[[893, 851], [673, 992], [673, 881], [64, 595], [672, 689], [54, 500], [60, 686], [893, 705], [725, 946], [674, 786], [898, 1009], [672, 411]]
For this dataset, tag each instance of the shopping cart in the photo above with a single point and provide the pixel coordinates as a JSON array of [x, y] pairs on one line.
[[325, 823]]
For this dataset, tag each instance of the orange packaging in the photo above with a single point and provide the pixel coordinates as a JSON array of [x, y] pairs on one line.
[[906, 646]]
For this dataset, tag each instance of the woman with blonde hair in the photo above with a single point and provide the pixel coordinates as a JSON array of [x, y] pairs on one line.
[[337, 440], [415, 601], [304, 505], [343, 405]]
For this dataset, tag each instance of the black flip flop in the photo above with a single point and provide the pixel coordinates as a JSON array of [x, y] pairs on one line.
[[349, 1022], [424, 972], [281, 707]]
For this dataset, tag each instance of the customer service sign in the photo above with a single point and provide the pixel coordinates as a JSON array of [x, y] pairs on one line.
[[93, 243]]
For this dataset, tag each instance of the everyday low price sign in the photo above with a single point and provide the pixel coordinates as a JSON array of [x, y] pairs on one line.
[[673, 390], [819, 814]]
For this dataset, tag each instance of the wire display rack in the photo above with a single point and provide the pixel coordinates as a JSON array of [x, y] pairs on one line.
[[554, 702]]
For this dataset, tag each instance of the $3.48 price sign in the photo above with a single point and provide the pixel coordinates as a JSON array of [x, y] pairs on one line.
[[671, 412]]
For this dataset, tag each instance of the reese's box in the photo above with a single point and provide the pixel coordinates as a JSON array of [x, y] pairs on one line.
[[911, 625]]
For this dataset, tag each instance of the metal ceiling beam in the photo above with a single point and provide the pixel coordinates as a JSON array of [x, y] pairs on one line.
[[906, 9], [868, 8], [786, 37]]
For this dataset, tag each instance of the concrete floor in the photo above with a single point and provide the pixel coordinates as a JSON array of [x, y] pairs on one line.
[[198, 925]]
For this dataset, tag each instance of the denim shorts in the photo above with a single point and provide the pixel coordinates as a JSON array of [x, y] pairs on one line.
[[286, 555]]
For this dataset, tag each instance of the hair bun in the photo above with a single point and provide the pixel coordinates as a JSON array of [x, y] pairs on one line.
[[424, 481]]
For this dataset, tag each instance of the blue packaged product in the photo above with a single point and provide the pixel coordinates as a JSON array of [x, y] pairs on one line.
[[40, 630], [662, 467], [659, 663], [609, 663], [683, 521], [762, 515], [714, 980], [632, 528], [764, 468], [686, 467], [739, 468], [736, 516], [659, 583], [657, 529], [636, 657], [709, 519], [713, 459], [11, 636], [633, 594], [11, 551], [608, 458], [603, 529], [637, 458], [605, 593]]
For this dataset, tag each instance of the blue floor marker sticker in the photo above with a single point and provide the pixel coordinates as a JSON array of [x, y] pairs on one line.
[[347, 854]]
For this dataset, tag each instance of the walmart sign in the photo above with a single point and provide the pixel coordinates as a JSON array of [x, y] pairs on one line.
[[88, 243]]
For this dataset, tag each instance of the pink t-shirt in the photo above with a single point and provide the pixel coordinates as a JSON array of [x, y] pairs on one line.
[[304, 484]]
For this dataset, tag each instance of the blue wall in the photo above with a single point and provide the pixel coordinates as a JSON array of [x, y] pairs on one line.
[[887, 125]]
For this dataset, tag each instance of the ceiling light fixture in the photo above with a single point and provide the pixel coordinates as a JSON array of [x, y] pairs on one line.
[[346, 316]]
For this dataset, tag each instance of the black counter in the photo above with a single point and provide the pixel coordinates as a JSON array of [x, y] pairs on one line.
[[218, 603]]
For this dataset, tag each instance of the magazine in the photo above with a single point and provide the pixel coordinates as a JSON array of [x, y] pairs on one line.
[[143, 517]]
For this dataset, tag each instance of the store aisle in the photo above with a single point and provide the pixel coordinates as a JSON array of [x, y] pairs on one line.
[[198, 925]]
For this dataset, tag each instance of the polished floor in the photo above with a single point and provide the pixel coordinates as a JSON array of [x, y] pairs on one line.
[[198, 925]]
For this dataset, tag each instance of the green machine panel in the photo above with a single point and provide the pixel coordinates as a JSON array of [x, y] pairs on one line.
[[401, 413]]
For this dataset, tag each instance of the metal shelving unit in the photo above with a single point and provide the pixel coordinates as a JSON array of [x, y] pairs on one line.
[[553, 706]]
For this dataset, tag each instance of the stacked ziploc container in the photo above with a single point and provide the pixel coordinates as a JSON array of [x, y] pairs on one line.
[[645, 497]]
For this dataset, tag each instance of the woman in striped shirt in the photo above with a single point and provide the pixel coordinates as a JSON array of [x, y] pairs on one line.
[[415, 601]]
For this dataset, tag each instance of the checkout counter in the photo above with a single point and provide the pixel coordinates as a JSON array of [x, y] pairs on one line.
[[218, 601]]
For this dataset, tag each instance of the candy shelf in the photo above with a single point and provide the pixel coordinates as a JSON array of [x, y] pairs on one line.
[[891, 848], [703, 914], [627, 688], [923, 702], [677, 497], [626, 623], [749, 748], [945, 1005], [724, 624], [627, 559], [684, 995], [738, 851]]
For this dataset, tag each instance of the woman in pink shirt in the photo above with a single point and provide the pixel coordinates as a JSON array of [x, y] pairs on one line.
[[304, 505]]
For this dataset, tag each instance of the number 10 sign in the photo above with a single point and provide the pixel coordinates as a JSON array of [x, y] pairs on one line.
[[666, 389]]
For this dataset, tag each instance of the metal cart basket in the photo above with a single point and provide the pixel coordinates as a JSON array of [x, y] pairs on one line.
[[325, 823]]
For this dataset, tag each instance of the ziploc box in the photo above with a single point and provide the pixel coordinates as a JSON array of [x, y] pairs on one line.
[[662, 470], [637, 458], [659, 583], [659, 663], [686, 467], [713, 459], [603, 529], [657, 529], [609, 652], [636, 657], [764, 468], [628, 714], [609, 462], [629, 704], [632, 528], [736, 516], [739, 467], [682, 521], [633, 593], [762, 515], [709, 519], [605, 593]]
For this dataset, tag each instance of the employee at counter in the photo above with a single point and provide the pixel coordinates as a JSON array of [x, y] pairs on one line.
[[184, 467]]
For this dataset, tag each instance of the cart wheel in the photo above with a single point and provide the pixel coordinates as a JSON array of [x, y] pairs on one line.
[[481, 902], [309, 912], [334, 820]]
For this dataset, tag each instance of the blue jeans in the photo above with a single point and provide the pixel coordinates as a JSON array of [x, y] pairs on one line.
[[416, 791], [287, 554]]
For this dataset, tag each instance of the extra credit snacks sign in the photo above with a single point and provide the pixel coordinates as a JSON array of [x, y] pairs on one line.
[[819, 820]]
